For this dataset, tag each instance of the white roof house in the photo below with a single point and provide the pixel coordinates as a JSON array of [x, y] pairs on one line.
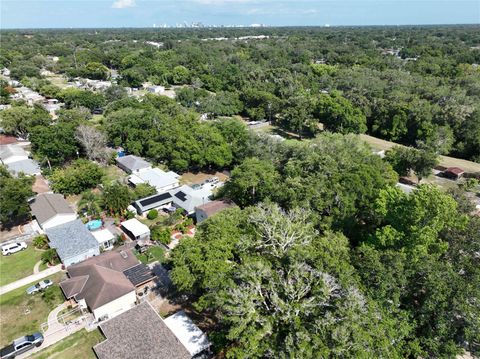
[[188, 198], [105, 238], [161, 180], [192, 338], [156, 89], [12, 153], [136, 229]]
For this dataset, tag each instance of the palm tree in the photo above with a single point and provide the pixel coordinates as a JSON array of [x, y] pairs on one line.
[[90, 203]]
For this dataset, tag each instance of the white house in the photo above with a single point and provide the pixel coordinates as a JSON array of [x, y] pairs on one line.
[[161, 180], [12, 153], [156, 89], [73, 242], [100, 285], [51, 209], [136, 229], [188, 198], [17, 161], [105, 238], [132, 164]]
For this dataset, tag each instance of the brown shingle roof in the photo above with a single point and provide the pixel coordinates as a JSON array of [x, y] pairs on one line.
[[213, 207], [48, 205], [455, 170], [104, 281], [139, 333]]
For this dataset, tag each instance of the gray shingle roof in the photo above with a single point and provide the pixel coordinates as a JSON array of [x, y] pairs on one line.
[[48, 205], [139, 333], [71, 239], [28, 167], [133, 163]]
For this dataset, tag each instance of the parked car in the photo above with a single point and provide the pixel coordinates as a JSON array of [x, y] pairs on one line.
[[11, 248], [40, 286], [21, 345]]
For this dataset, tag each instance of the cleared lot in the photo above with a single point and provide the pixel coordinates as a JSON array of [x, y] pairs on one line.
[[23, 314]]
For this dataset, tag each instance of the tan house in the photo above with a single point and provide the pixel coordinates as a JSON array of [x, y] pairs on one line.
[[107, 285]]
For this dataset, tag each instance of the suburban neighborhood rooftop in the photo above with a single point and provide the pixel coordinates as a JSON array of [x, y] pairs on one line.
[[139, 333], [48, 205], [71, 239]]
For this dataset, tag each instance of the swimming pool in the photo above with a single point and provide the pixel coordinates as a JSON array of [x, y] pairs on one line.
[[95, 224]]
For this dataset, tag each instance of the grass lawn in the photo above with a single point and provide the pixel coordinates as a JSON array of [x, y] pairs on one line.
[[78, 345], [113, 173], [23, 314], [379, 144], [18, 265], [154, 254]]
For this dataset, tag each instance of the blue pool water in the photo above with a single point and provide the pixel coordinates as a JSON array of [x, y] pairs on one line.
[[93, 225]]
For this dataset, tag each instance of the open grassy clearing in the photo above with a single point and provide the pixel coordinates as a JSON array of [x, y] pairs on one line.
[[200, 177], [18, 265], [379, 144], [22, 314], [151, 255], [78, 345]]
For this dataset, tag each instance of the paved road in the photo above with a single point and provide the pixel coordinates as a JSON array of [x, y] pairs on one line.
[[30, 279]]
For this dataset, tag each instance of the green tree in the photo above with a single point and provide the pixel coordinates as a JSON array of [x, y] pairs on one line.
[[20, 120], [116, 198], [14, 193], [76, 178], [251, 182], [143, 190], [96, 71], [90, 203], [339, 115]]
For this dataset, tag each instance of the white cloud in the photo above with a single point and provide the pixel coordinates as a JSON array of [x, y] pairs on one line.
[[122, 4]]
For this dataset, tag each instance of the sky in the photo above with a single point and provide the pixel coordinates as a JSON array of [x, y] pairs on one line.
[[146, 13]]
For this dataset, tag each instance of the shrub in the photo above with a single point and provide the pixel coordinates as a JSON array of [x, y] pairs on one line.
[[152, 214], [50, 257], [40, 242], [160, 235]]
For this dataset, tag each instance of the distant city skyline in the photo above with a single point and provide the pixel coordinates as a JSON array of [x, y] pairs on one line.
[[147, 13]]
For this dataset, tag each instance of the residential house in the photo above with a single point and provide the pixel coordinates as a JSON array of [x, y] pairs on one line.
[[140, 333], [158, 201], [51, 209], [108, 284], [132, 164], [161, 180], [12, 153], [209, 209], [105, 239], [156, 89], [17, 161], [135, 229], [453, 173], [188, 198], [73, 242]]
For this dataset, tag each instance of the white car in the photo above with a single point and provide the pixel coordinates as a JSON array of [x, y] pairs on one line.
[[15, 247], [40, 286]]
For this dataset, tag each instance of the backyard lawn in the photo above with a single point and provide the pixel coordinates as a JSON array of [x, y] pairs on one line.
[[78, 345], [151, 255], [18, 265], [22, 314]]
